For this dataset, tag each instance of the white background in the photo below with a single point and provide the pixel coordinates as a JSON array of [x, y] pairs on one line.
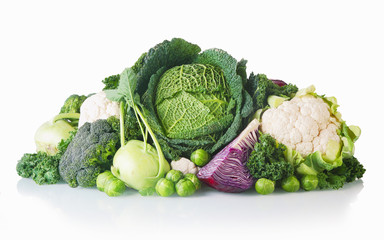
[[52, 49]]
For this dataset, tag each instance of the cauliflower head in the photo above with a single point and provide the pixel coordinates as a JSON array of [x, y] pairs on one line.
[[304, 123], [185, 166], [97, 107]]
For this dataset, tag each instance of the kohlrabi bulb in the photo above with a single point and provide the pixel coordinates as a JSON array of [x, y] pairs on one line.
[[49, 135]]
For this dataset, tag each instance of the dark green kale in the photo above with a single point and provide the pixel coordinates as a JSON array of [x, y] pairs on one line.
[[89, 153], [261, 88], [40, 166], [111, 82], [349, 171], [267, 160]]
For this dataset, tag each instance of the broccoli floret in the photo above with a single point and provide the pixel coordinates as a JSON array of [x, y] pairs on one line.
[[267, 160], [111, 82], [73, 104], [90, 153]]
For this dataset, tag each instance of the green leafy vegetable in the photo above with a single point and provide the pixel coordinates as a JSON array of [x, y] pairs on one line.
[[206, 103], [89, 153], [262, 88], [111, 82], [267, 160], [349, 171], [40, 166]]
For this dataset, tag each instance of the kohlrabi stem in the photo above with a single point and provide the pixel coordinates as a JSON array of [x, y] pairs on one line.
[[157, 145], [122, 137], [61, 116]]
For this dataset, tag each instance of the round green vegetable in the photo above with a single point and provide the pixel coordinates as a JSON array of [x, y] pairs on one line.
[[192, 177], [174, 175], [165, 187], [290, 184], [265, 186], [49, 135], [200, 157], [309, 182], [110, 184], [185, 187]]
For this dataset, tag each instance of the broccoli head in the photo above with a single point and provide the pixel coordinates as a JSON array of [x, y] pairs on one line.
[[89, 153], [73, 103]]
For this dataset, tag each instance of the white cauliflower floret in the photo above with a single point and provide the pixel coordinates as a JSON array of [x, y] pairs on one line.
[[185, 166], [98, 107], [304, 123]]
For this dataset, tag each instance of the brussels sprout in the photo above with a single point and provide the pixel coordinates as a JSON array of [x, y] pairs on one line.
[[193, 179], [290, 184], [265, 186], [200, 157], [174, 175], [309, 182], [185, 187], [165, 187], [110, 184]]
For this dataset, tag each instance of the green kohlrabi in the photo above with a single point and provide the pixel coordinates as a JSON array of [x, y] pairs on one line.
[[49, 134], [136, 163]]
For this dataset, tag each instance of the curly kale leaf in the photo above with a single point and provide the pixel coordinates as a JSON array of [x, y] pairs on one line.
[[267, 160], [41, 167], [111, 82], [89, 153], [349, 171], [261, 88]]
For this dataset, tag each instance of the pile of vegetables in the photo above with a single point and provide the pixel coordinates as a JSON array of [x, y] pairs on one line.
[[181, 117]]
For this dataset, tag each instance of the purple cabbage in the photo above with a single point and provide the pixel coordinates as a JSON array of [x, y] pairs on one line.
[[227, 171], [278, 82]]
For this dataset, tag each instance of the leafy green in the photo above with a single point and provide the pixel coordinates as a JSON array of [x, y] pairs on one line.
[[267, 160], [217, 122], [111, 82], [197, 102], [262, 88], [40, 166], [89, 153], [349, 171]]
